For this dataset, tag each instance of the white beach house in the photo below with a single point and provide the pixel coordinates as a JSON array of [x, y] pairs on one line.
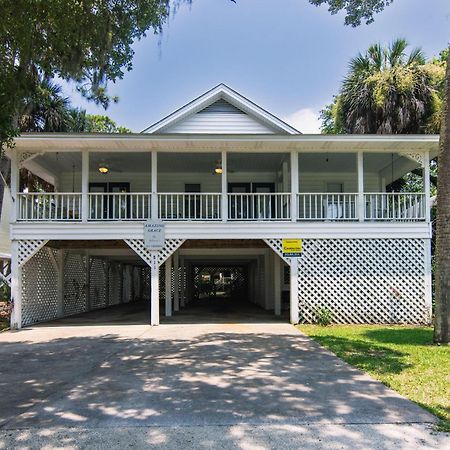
[[229, 181]]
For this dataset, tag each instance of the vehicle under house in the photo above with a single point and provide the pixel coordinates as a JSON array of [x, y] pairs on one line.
[[229, 181]]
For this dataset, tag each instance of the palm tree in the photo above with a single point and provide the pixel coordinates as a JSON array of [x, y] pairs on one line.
[[442, 299], [388, 91], [46, 110]]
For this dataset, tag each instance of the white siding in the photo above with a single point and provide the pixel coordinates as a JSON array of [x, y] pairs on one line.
[[219, 118]]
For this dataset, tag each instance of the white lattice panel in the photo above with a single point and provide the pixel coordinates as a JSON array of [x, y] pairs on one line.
[[75, 300], [28, 247], [97, 284], [170, 246], [39, 288], [114, 284], [127, 284], [363, 280], [146, 283], [277, 246]]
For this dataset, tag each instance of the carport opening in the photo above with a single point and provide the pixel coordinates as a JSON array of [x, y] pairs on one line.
[[106, 282]]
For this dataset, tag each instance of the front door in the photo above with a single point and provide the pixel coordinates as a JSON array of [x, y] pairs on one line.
[[109, 207], [239, 205], [264, 204]]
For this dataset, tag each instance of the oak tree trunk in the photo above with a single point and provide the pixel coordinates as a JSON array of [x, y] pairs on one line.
[[442, 299]]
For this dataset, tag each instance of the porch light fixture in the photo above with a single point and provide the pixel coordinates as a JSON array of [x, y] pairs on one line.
[[103, 168], [218, 169]]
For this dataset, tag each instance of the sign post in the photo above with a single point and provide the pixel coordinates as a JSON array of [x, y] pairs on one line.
[[154, 237], [292, 248]]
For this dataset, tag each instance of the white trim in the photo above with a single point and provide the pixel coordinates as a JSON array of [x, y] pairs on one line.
[[84, 186], [218, 230], [360, 168], [221, 92], [426, 185], [293, 292], [168, 286], [224, 181], [294, 185]]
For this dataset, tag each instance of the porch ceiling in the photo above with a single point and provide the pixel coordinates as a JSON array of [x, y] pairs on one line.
[[60, 142]]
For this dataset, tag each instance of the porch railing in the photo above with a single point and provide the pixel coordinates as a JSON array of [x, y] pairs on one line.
[[49, 206], [333, 206], [119, 206], [259, 207], [189, 206], [57, 206], [395, 206]]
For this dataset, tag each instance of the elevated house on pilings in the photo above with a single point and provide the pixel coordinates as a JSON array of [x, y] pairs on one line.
[[229, 181]]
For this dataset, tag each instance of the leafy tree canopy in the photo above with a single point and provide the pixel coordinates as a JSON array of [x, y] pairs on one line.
[[88, 42], [356, 11], [388, 90]]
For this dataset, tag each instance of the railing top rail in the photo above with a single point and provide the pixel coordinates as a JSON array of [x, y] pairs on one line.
[[189, 193], [394, 193], [49, 193], [327, 193], [119, 193], [259, 193]]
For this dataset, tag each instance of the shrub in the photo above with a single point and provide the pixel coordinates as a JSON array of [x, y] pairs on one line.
[[323, 316]]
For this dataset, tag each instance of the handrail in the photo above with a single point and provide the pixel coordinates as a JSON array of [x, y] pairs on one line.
[[49, 206], [187, 206], [259, 206], [321, 206], [119, 206], [399, 206]]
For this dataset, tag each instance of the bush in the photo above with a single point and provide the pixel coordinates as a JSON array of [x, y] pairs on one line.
[[323, 316]]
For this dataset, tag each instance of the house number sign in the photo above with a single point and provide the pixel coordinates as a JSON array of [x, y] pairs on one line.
[[292, 248], [154, 235]]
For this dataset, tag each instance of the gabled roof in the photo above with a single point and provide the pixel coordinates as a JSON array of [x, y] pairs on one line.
[[219, 97]]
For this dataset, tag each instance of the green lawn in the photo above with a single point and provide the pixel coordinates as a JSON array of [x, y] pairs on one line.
[[403, 358]]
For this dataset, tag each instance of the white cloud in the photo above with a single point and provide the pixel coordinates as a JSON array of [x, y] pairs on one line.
[[305, 120]]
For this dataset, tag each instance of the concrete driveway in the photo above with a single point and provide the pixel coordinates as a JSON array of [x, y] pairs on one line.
[[195, 385]]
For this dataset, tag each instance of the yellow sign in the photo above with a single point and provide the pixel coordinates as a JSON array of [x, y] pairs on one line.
[[292, 247]]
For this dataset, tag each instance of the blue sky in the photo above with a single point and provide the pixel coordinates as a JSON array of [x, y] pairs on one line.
[[287, 55]]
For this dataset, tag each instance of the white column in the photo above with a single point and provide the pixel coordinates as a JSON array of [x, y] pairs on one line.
[[182, 282], [88, 281], [176, 282], [84, 186], [267, 279], [154, 185], [426, 185], [168, 283], [360, 165], [224, 187], [277, 284], [60, 264], [294, 310], [294, 185], [154, 290], [14, 185], [428, 279], [16, 287]]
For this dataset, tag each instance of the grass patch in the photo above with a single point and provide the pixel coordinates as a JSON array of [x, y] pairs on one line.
[[403, 358]]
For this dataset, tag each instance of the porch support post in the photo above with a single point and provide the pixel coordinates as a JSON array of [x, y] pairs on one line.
[[154, 185], [277, 284], [224, 203], [182, 282], [294, 310], [60, 263], [176, 282], [360, 165], [14, 185], [16, 287], [426, 185], [88, 281], [428, 280], [168, 287], [84, 186], [294, 185], [267, 280], [154, 289]]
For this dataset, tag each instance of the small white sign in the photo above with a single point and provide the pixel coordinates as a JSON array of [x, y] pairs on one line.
[[154, 235]]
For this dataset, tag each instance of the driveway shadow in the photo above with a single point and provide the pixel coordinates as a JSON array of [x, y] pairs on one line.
[[173, 379]]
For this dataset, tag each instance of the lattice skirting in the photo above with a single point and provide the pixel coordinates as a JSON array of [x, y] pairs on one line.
[[88, 283], [364, 280]]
